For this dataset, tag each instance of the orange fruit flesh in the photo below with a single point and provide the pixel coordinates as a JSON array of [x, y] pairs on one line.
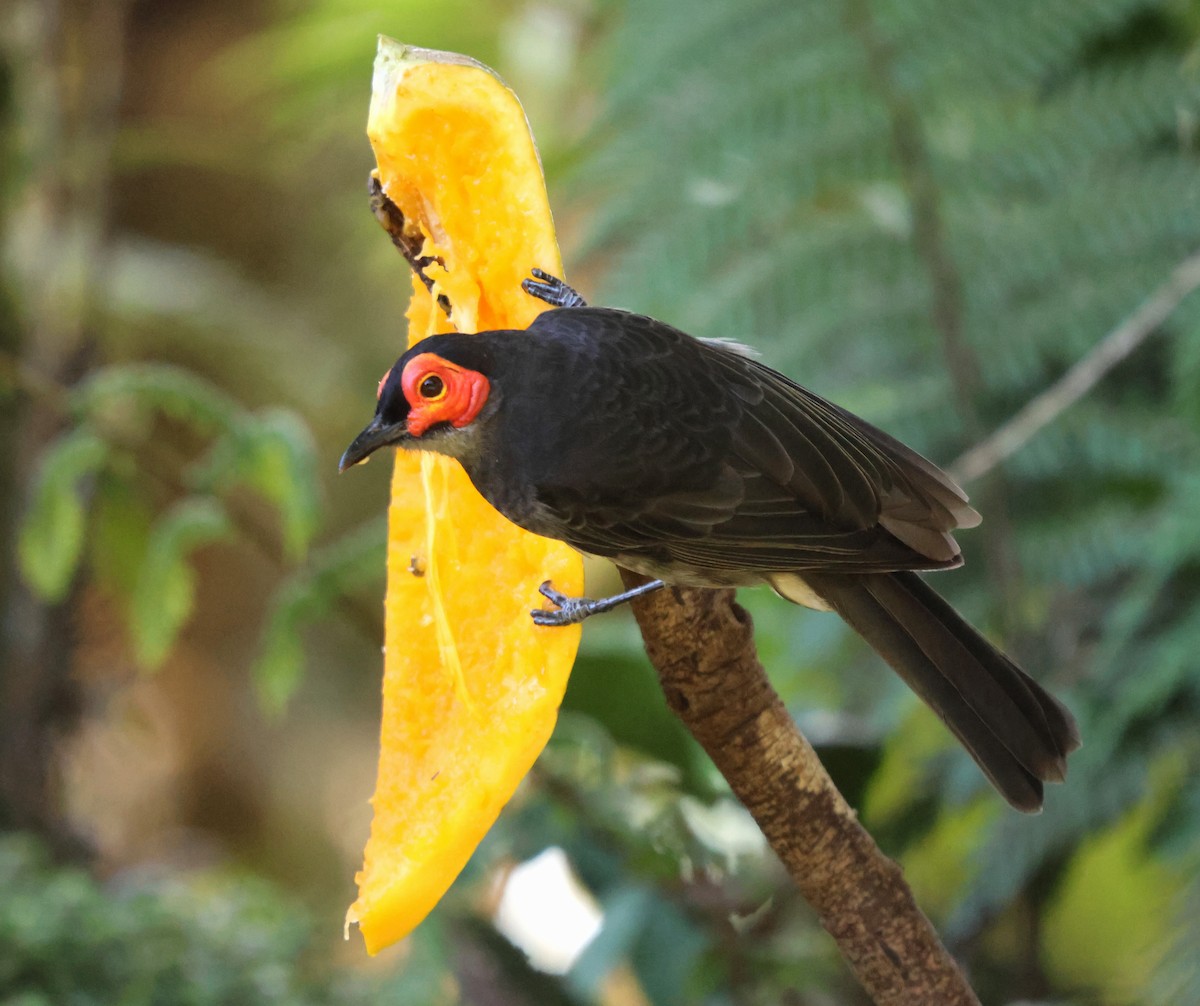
[[471, 686]]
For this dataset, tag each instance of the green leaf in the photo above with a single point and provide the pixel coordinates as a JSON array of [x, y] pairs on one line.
[[626, 911], [51, 537], [162, 600], [349, 562], [144, 388], [273, 454], [283, 469], [281, 663], [120, 532]]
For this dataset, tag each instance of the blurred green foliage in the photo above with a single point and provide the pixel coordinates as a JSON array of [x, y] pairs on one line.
[[927, 212], [147, 940], [116, 417]]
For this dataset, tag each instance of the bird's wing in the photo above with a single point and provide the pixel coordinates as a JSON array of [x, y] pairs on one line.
[[749, 470], [839, 466]]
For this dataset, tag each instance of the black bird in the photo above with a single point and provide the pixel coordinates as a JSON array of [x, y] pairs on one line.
[[689, 461]]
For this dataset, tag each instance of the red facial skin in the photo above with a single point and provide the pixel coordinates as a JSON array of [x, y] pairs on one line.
[[455, 396]]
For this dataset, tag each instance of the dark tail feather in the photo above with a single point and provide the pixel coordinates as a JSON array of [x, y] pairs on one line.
[[1017, 732]]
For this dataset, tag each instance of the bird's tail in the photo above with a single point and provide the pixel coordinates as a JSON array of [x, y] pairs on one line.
[[1017, 732]]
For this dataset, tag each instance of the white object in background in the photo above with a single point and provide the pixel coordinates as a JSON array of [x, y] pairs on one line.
[[546, 912]]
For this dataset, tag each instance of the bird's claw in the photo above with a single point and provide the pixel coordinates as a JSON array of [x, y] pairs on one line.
[[570, 609], [552, 290]]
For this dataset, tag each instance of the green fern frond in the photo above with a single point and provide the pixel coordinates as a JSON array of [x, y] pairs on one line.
[[851, 186]]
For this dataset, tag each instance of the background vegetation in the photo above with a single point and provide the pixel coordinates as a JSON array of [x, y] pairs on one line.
[[928, 212]]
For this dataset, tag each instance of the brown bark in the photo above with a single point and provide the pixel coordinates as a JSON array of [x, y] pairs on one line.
[[702, 645]]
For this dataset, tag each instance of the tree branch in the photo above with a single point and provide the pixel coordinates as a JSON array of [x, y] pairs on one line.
[[1084, 375], [702, 645]]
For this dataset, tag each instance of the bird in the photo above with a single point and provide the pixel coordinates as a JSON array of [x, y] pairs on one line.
[[692, 462]]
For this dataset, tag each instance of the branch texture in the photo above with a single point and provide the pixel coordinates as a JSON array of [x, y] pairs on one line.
[[702, 645]]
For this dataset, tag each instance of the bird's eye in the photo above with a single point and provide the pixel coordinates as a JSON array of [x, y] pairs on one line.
[[440, 394], [431, 387]]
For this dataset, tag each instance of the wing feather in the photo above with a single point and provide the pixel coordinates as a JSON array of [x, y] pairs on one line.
[[752, 471]]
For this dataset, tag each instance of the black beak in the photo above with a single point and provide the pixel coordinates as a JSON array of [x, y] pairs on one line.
[[377, 434]]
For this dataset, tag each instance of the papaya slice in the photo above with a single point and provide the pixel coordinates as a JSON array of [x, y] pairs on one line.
[[471, 687]]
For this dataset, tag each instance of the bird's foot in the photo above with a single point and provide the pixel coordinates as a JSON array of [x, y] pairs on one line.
[[576, 609], [553, 291], [569, 609]]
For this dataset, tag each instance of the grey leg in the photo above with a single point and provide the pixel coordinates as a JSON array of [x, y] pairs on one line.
[[576, 609]]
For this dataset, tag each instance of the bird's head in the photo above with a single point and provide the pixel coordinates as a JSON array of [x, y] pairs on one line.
[[430, 400]]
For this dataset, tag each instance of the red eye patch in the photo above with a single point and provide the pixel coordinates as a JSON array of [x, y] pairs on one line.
[[439, 391]]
